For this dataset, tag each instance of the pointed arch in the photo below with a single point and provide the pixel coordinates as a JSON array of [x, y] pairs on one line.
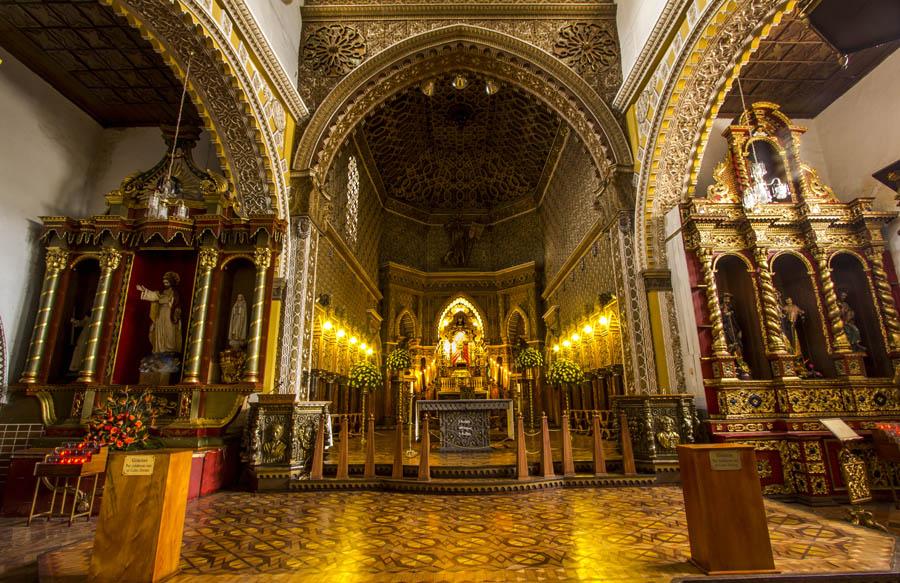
[[464, 300], [516, 313]]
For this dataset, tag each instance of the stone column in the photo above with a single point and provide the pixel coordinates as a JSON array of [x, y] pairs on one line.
[[56, 262], [109, 263], [885, 297], [209, 259], [840, 342], [262, 257], [771, 309]]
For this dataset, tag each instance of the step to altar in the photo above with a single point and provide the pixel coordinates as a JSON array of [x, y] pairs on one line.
[[467, 472], [473, 486]]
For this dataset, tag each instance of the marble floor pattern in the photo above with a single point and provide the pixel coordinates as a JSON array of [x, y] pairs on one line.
[[609, 535]]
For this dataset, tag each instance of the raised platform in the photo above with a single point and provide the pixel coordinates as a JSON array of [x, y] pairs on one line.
[[473, 485]]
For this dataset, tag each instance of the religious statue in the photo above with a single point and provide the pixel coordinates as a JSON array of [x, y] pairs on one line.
[[237, 324], [791, 317], [274, 448], [80, 342], [462, 241], [165, 315], [734, 336], [848, 316], [165, 330]]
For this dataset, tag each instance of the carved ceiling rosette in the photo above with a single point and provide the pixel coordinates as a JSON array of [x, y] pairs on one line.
[[586, 47], [335, 50]]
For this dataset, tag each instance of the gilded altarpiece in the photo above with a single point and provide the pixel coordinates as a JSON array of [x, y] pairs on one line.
[[795, 298], [169, 291]]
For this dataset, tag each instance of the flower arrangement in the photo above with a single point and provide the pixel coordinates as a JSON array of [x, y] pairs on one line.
[[529, 358], [399, 359], [364, 376], [123, 421], [564, 371]]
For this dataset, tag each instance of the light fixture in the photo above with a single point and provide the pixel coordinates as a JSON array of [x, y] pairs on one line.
[[588, 329], [363, 346], [354, 340], [604, 321], [341, 333], [576, 337], [556, 348], [566, 344], [460, 82], [369, 351], [491, 87], [327, 325], [427, 87], [760, 192]]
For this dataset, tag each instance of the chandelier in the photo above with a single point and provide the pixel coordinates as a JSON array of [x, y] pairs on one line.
[[760, 191]]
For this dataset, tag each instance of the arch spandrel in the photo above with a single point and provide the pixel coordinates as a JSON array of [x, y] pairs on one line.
[[462, 47]]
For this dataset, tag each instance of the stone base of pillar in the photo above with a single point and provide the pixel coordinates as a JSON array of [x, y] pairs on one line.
[[279, 439], [725, 367], [658, 424], [784, 366]]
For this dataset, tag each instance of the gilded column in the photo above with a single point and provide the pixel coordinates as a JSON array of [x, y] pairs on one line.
[[841, 344], [262, 257], [771, 309], [109, 263], [720, 345], [883, 290], [209, 259], [56, 262]]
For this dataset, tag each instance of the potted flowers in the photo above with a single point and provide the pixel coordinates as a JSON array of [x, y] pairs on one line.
[[123, 422], [364, 377], [399, 359], [529, 358], [565, 372]]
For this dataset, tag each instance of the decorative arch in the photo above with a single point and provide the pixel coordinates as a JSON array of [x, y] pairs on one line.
[[245, 121], [743, 258], [516, 312], [398, 323], [720, 43], [466, 301], [463, 47]]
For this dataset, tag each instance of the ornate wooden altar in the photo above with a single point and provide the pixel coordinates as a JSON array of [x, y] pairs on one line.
[[169, 289], [465, 423], [795, 298]]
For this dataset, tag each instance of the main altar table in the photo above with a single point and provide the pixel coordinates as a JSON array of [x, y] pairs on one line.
[[465, 423]]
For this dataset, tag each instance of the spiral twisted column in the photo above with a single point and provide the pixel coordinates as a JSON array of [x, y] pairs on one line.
[[56, 259], [720, 345], [886, 298], [262, 257], [109, 263], [771, 309], [841, 344], [209, 259]]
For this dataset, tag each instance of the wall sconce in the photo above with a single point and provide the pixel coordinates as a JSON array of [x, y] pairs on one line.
[[341, 333], [566, 344], [576, 337], [604, 321], [588, 329], [363, 346], [556, 348], [369, 351], [327, 325], [354, 340]]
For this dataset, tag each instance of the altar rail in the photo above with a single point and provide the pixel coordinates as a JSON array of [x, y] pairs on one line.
[[580, 421]]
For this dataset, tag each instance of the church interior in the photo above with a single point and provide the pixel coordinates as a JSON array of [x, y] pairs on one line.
[[476, 290]]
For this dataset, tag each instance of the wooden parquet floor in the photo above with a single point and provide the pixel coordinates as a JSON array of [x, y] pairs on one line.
[[608, 535]]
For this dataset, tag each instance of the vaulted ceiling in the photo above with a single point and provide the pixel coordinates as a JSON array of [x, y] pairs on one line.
[[461, 149], [796, 68], [93, 57]]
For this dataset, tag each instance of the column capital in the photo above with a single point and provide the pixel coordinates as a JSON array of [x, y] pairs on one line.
[[209, 258], [262, 257], [110, 258], [56, 259]]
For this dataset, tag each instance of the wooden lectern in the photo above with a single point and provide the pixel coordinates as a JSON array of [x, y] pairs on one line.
[[724, 506], [141, 522]]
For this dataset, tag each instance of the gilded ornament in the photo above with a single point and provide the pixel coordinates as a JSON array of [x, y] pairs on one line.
[[335, 50], [110, 259], [262, 257], [209, 258], [56, 259], [586, 47]]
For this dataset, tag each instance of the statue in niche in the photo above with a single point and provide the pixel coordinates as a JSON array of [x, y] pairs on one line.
[[165, 327], [848, 316], [462, 240], [734, 336], [791, 317], [80, 342], [237, 324]]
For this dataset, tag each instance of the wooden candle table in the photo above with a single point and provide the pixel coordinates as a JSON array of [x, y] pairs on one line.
[[724, 507], [78, 461]]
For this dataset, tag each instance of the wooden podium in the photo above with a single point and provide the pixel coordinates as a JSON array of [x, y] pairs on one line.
[[724, 506], [141, 522]]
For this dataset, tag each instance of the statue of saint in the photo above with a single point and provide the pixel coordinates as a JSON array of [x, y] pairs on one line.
[[165, 315], [733, 334], [237, 324], [848, 316], [791, 316], [80, 342]]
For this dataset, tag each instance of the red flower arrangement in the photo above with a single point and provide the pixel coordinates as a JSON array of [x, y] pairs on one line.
[[892, 430], [123, 421]]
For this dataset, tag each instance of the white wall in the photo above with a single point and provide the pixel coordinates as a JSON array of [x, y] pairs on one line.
[[635, 20], [280, 22], [54, 160]]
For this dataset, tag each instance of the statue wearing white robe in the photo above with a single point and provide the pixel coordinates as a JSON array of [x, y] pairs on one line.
[[165, 315]]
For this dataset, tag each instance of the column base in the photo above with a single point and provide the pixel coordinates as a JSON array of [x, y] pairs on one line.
[[849, 364], [784, 366]]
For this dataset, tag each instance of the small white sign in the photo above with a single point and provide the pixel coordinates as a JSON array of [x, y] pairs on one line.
[[840, 429], [725, 460], [138, 465]]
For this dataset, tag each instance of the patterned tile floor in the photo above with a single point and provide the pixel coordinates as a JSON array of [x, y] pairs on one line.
[[609, 535]]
